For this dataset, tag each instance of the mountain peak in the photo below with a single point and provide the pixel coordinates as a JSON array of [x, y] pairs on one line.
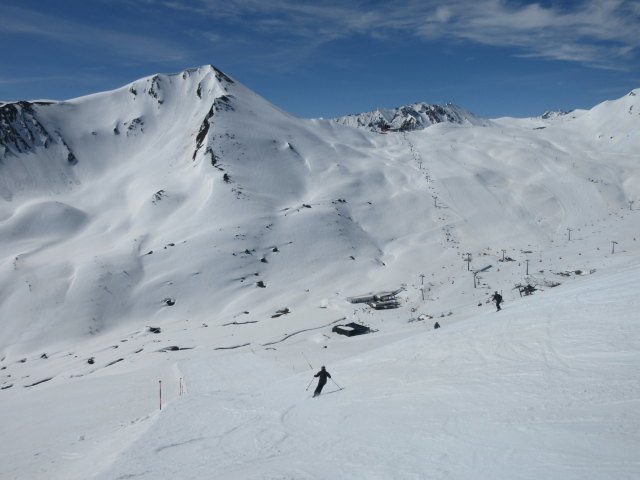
[[415, 116], [555, 113], [201, 80]]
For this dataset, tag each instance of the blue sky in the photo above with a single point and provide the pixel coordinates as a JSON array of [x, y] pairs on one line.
[[331, 58]]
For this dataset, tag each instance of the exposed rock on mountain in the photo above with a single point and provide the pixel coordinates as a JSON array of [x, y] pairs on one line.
[[20, 129], [416, 116], [555, 113]]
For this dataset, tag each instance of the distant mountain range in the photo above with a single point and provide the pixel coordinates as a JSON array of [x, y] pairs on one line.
[[412, 117]]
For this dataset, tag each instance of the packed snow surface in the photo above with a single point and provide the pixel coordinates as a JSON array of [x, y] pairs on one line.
[[182, 243]]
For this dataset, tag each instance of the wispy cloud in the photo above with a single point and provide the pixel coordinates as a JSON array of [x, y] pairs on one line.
[[597, 33], [34, 79], [17, 20]]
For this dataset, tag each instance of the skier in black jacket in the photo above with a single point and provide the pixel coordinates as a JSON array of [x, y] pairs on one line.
[[498, 299], [322, 380]]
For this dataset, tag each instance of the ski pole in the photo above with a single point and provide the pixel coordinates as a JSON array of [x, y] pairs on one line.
[[336, 384], [309, 384]]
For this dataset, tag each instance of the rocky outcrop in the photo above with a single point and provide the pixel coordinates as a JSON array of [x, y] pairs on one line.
[[416, 116], [20, 129]]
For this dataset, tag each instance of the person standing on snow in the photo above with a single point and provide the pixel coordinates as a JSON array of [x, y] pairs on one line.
[[322, 380], [498, 299]]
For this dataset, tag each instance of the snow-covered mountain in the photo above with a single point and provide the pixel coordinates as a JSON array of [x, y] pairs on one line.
[[416, 116], [242, 234], [555, 113]]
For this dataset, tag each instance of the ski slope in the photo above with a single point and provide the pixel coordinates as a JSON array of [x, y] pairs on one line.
[[187, 203]]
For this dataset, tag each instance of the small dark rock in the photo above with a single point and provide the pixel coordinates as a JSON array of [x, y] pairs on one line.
[[159, 195], [281, 312], [174, 348]]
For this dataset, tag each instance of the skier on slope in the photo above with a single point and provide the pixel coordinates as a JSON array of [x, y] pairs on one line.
[[322, 376], [498, 299]]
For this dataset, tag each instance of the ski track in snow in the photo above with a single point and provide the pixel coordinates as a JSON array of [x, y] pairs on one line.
[[483, 397]]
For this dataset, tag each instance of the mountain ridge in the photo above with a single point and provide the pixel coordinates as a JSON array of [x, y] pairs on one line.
[[415, 116]]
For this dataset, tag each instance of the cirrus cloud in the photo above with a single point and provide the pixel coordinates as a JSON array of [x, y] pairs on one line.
[[602, 34]]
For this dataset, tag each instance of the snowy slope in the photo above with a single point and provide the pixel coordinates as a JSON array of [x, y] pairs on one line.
[[186, 202], [538, 392]]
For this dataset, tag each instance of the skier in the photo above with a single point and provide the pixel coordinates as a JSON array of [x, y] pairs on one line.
[[498, 299], [322, 380], [436, 325]]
